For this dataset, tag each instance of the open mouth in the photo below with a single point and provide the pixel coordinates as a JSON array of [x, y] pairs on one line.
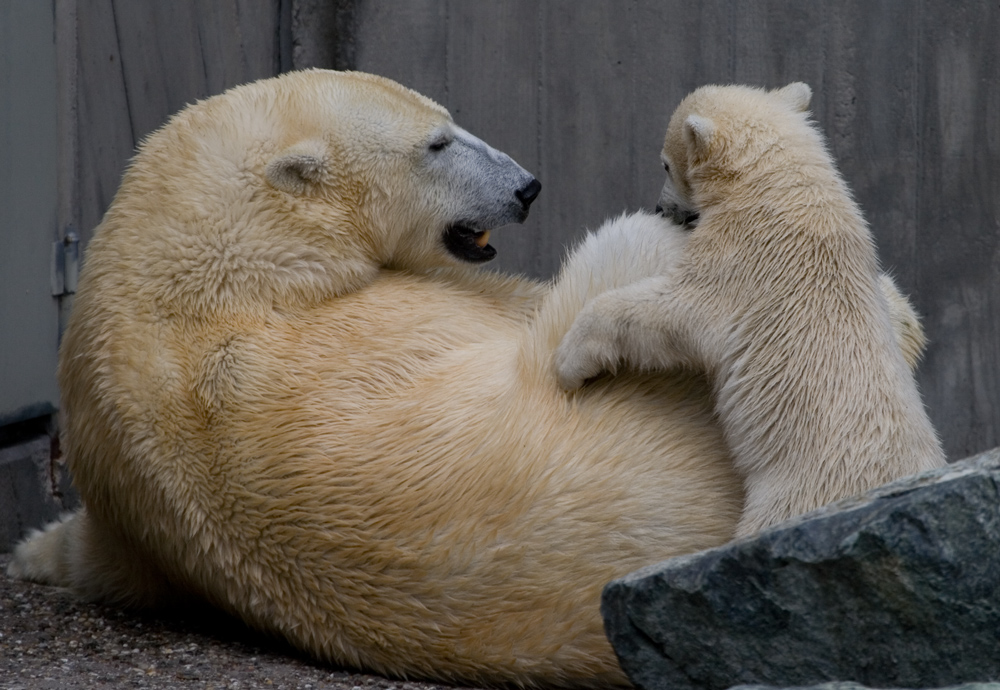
[[468, 244]]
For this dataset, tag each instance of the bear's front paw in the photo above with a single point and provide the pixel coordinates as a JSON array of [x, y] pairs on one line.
[[584, 352]]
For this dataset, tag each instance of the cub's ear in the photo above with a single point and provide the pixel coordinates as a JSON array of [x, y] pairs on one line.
[[699, 132], [797, 95], [296, 166]]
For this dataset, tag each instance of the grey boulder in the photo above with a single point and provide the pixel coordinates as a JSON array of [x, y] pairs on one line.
[[898, 588], [846, 685]]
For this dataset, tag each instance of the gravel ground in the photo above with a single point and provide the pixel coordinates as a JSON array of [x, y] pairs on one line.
[[48, 640]]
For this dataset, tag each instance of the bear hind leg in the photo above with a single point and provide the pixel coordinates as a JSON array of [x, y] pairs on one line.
[[76, 553]]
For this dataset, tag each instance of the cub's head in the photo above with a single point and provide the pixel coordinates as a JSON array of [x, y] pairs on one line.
[[302, 186], [718, 133]]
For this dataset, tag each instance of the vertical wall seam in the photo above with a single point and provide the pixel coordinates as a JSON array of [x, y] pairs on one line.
[[284, 38], [240, 40], [536, 260], [733, 43], [633, 94], [121, 70], [67, 70], [201, 54], [918, 133], [66, 42], [447, 56]]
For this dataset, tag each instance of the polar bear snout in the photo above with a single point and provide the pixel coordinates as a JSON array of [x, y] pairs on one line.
[[528, 193], [468, 239], [491, 182], [485, 189], [685, 217], [524, 196], [676, 206]]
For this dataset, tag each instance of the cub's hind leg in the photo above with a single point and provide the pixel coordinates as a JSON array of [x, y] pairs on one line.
[[905, 322]]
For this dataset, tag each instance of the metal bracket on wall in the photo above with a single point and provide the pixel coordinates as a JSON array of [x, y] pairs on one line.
[[65, 264]]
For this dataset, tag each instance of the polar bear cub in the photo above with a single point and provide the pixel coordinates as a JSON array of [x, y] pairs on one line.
[[778, 296]]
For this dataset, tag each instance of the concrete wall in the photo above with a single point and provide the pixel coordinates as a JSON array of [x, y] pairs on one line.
[[580, 91], [137, 63], [29, 314]]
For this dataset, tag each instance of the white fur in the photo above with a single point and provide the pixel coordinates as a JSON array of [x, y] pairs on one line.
[[778, 297], [282, 396]]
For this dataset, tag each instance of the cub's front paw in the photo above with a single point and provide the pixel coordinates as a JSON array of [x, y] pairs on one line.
[[586, 351]]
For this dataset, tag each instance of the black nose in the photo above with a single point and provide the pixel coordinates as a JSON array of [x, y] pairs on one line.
[[527, 194]]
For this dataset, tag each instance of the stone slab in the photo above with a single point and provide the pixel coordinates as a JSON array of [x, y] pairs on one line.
[[897, 588], [32, 491]]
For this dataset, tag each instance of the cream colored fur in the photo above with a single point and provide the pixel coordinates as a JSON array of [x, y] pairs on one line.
[[276, 398], [776, 294], [272, 400]]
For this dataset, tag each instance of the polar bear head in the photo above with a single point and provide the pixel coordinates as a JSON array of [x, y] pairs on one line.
[[301, 187], [718, 131], [434, 190]]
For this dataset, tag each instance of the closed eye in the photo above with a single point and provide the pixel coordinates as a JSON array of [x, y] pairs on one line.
[[439, 144]]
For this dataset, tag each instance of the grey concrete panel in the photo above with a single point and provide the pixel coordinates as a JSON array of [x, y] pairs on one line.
[[587, 131], [321, 33], [27, 499], [106, 137], [494, 78], [29, 315], [869, 116], [201, 46], [958, 219], [139, 63], [405, 41]]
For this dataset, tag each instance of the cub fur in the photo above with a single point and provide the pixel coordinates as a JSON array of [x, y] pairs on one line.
[[777, 295]]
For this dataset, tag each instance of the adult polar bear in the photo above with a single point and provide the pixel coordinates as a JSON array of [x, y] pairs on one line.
[[273, 403]]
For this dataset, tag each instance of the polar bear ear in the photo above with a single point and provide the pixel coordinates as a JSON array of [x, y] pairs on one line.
[[699, 132], [295, 167], [797, 95]]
